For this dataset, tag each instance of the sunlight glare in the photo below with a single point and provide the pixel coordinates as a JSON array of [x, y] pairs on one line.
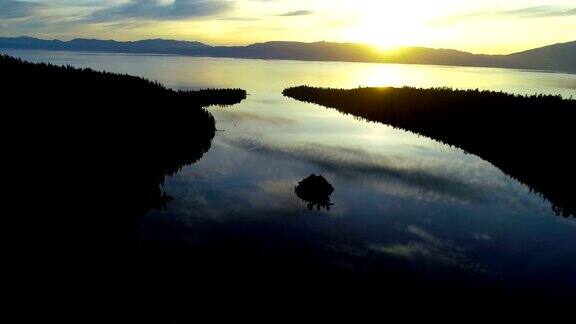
[[387, 25]]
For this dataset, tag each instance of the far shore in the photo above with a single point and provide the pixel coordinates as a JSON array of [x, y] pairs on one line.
[[548, 58]]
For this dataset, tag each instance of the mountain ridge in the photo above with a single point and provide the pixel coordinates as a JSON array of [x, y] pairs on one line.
[[555, 57]]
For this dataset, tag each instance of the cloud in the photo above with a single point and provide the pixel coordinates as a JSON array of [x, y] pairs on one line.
[[18, 9], [162, 10], [297, 13], [527, 12], [540, 11]]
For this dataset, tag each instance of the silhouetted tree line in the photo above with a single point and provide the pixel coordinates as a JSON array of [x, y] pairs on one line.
[[531, 138], [121, 85], [91, 152], [99, 143]]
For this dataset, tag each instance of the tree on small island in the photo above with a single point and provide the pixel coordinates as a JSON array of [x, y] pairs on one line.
[[316, 191]]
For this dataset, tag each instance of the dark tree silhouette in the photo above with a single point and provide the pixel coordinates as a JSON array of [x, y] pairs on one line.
[[315, 191], [97, 146], [528, 137], [124, 133]]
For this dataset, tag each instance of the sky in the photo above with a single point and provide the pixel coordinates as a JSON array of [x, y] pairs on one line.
[[479, 26]]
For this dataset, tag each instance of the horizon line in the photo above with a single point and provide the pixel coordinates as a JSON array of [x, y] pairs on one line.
[[284, 41]]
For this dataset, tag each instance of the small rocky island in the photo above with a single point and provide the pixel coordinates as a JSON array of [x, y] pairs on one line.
[[315, 190]]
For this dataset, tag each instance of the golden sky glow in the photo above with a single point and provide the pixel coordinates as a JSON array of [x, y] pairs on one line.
[[481, 26]]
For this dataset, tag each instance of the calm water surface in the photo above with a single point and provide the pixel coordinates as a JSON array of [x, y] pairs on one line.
[[397, 195]]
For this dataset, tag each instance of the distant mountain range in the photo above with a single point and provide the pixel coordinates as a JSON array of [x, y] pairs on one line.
[[558, 57]]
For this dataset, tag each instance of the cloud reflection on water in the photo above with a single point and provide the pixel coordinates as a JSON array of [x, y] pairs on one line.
[[430, 247], [232, 116], [354, 164]]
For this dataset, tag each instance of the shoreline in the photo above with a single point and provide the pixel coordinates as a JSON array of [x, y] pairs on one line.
[[286, 60]]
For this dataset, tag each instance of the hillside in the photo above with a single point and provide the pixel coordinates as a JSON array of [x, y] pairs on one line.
[[558, 57]]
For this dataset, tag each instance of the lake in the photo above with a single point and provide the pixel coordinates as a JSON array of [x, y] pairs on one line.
[[399, 197]]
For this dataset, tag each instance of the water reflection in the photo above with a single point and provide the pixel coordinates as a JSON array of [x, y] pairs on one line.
[[428, 179], [415, 223], [258, 76]]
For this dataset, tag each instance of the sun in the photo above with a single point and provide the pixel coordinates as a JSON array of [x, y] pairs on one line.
[[386, 25]]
